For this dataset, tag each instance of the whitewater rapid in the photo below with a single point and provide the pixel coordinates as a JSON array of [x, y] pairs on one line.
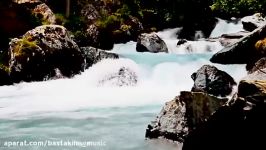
[[160, 78]]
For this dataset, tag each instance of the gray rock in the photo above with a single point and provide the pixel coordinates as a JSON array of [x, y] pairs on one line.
[[43, 50], [242, 51], [94, 55], [251, 23], [181, 41], [259, 65], [90, 13], [227, 39], [260, 74], [150, 43], [181, 115], [99, 37], [43, 12], [241, 122], [211, 80], [123, 77]]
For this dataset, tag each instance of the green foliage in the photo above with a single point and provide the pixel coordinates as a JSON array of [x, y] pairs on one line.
[[111, 21], [4, 67], [60, 19], [238, 7]]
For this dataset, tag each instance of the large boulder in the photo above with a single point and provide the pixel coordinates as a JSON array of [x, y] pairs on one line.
[[150, 43], [90, 13], [41, 52], [44, 13], [251, 23], [227, 39], [211, 80], [244, 51], [181, 115], [94, 55], [99, 37], [238, 125]]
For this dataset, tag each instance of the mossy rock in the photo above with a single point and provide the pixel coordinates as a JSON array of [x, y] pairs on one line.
[[43, 52]]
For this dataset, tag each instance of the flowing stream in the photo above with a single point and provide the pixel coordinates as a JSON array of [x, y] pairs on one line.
[[81, 109]]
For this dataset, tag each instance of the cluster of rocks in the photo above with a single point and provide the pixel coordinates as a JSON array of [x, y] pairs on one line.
[[48, 52], [215, 114], [191, 108]]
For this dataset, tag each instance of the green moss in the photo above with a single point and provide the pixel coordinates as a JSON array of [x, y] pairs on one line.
[[125, 27], [24, 47]]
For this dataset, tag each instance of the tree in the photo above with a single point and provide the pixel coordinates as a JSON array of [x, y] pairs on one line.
[[68, 8]]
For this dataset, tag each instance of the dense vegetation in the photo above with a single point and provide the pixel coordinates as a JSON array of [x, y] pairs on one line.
[[115, 16], [238, 8]]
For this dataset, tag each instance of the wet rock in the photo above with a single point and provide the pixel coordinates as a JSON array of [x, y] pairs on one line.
[[238, 125], [181, 115], [43, 50], [94, 55], [251, 23], [260, 74], [122, 77], [211, 80], [151, 43], [44, 13], [252, 88], [259, 65], [181, 41], [90, 13], [227, 39], [99, 37], [242, 51]]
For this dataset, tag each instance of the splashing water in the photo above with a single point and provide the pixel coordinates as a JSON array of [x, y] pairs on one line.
[[226, 27], [82, 109]]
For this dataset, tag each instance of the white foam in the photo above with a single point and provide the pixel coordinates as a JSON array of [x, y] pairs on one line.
[[226, 27], [160, 78]]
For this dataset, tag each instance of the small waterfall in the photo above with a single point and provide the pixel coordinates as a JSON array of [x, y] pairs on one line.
[[112, 100], [226, 27]]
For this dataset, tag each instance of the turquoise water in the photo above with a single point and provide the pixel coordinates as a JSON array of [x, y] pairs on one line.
[[79, 110], [76, 110], [119, 128]]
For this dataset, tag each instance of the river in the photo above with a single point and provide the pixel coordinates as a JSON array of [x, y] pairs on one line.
[[79, 109]]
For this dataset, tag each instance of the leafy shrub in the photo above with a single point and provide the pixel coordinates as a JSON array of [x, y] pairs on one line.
[[238, 7]]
